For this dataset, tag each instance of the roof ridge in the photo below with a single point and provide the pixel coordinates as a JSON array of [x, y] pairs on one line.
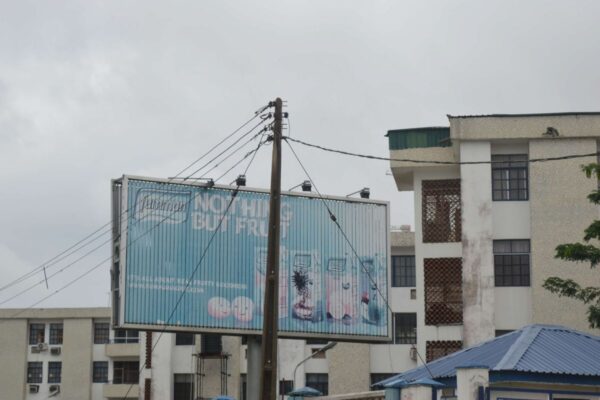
[[518, 348]]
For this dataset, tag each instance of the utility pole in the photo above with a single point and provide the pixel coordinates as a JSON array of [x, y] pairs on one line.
[[268, 381]]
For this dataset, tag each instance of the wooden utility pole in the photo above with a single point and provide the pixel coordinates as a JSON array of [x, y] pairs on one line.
[[268, 381]]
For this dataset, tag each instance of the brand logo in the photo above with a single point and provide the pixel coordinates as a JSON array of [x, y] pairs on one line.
[[163, 205]]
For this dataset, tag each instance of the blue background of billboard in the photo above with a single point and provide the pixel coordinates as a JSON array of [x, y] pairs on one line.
[[164, 246]]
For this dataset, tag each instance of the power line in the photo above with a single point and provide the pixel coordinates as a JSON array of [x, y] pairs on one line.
[[61, 256], [371, 157], [337, 224]]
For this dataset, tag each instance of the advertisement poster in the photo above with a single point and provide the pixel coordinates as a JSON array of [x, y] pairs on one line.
[[202, 252]]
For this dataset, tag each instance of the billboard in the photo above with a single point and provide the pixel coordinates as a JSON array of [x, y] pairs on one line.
[[192, 257]]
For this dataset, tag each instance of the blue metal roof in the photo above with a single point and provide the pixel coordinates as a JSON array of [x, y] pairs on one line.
[[540, 349]]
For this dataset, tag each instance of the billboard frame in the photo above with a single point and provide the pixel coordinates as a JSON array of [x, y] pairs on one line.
[[119, 266]]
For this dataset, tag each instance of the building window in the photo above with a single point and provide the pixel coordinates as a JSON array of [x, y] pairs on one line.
[[54, 369], [56, 333], [441, 211], [37, 333], [405, 325], [500, 332], [126, 372], [185, 339], [443, 291], [509, 177], [183, 386], [100, 372], [126, 336], [243, 387], [440, 348], [511, 262], [212, 344], [101, 332], [319, 382], [34, 372], [403, 271], [376, 378]]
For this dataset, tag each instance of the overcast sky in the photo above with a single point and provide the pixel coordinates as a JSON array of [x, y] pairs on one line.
[[91, 90]]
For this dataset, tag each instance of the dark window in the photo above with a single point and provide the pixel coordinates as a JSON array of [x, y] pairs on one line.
[[376, 378], [449, 394], [35, 372], [101, 332], [405, 325], [212, 344], [244, 339], [440, 348], [317, 341], [37, 333], [509, 177], [285, 386], [403, 271], [54, 369], [56, 333], [182, 387], [500, 332], [126, 336], [443, 291], [126, 372], [441, 211], [100, 373], [243, 388], [319, 382], [185, 339], [511, 262]]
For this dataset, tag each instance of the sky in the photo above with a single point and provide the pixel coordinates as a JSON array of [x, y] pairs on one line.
[[92, 90]]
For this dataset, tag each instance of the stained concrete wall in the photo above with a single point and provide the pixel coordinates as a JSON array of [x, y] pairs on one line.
[[77, 359], [560, 212], [477, 257], [13, 342], [351, 372]]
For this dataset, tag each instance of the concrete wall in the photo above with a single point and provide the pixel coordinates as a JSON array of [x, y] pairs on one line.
[[351, 372], [77, 359], [13, 342], [477, 258], [560, 212]]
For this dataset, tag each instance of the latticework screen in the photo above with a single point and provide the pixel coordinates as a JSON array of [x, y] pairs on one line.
[[443, 291], [441, 211], [440, 348]]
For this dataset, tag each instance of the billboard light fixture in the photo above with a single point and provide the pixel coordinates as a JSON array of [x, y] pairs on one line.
[[240, 180], [305, 185], [365, 193]]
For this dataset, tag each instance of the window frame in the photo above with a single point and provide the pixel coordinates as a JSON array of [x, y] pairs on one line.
[[320, 384], [36, 367], [100, 372], [100, 329], [183, 339], [184, 388], [404, 274], [126, 336], [56, 333], [39, 327], [54, 371], [126, 369], [404, 336], [498, 192], [511, 261]]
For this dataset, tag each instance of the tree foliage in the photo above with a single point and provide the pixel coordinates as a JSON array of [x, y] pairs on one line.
[[581, 252]]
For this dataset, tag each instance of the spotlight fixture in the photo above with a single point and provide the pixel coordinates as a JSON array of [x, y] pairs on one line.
[[305, 185], [240, 180], [365, 193]]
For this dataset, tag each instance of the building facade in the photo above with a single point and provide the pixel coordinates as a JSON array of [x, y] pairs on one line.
[[489, 212]]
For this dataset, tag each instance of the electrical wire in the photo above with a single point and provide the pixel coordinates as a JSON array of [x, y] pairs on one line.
[[61, 256], [371, 157], [348, 241]]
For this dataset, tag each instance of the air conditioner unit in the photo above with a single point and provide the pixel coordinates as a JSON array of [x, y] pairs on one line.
[[54, 389], [34, 388], [42, 346], [55, 351], [35, 349], [413, 353]]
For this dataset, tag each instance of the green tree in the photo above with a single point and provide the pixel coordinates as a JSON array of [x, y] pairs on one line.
[[582, 252]]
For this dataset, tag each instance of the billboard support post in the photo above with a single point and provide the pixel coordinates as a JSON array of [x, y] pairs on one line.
[[268, 387]]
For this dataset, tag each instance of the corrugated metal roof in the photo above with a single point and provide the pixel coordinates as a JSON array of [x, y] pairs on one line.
[[545, 349]]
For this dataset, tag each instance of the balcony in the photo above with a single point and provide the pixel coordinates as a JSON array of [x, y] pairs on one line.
[[123, 347], [119, 391], [422, 144]]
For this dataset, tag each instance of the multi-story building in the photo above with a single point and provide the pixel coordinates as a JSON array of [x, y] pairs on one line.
[[489, 212]]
